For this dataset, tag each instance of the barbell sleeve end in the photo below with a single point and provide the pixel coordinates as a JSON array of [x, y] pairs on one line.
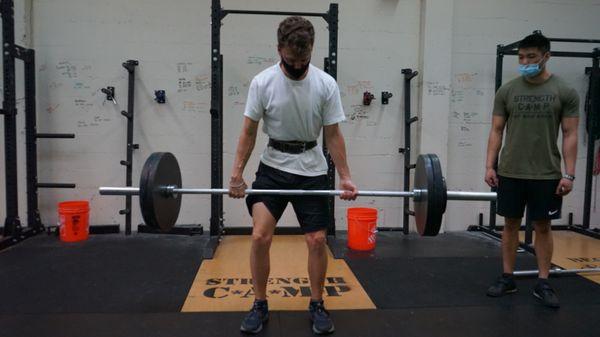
[[474, 196], [119, 190]]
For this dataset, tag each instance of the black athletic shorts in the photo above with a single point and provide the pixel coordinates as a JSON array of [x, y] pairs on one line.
[[311, 211], [539, 196]]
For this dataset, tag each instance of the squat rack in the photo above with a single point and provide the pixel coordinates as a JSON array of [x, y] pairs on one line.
[[593, 119], [13, 232], [216, 111]]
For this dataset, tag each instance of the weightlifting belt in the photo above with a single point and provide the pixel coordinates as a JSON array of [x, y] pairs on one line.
[[291, 146]]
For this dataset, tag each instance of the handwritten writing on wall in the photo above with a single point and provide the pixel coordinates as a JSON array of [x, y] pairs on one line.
[[80, 85], [260, 60], [202, 82], [83, 104], [436, 89], [358, 112], [183, 84], [464, 79], [195, 107], [96, 121], [182, 67], [52, 108], [358, 87], [66, 69], [199, 83], [233, 91]]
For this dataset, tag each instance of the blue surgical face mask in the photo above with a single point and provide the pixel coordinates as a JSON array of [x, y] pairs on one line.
[[530, 70]]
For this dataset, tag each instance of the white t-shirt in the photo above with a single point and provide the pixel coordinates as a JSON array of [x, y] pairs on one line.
[[294, 110]]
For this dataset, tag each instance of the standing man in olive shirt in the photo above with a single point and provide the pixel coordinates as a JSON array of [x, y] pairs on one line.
[[532, 108]]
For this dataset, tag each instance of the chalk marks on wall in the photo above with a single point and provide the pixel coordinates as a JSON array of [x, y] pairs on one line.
[[434, 88], [470, 106], [261, 60], [197, 83], [182, 67], [66, 69], [357, 112], [357, 88], [195, 107]]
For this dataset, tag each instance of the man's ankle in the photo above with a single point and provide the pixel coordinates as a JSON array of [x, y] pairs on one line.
[[261, 304]]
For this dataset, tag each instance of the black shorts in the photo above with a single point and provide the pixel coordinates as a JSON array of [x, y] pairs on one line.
[[312, 211], [539, 196]]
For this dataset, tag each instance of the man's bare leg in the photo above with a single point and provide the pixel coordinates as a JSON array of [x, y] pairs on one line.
[[510, 242], [544, 247], [317, 262], [262, 236]]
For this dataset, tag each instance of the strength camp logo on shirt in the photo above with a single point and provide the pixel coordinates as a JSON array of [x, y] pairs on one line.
[[284, 287], [533, 106]]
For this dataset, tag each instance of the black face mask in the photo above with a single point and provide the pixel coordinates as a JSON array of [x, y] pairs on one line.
[[294, 72]]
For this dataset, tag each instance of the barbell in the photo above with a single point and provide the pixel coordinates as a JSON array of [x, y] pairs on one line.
[[160, 192], [160, 197]]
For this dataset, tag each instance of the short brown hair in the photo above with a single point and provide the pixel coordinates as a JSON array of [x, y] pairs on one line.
[[297, 33]]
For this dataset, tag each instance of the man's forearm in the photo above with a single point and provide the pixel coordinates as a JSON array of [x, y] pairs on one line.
[[244, 150], [337, 150], [494, 143], [570, 152]]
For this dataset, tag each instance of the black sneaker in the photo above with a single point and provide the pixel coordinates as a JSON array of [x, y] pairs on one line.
[[545, 294], [504, 285], [322, 323], [259, 314]]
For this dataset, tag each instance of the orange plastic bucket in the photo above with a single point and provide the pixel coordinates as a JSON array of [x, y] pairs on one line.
[[362, 227], [73, 217]]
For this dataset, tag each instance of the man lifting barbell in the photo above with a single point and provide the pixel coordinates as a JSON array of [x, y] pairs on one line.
[[296, 101]]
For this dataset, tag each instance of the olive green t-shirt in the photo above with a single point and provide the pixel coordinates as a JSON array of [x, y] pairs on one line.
[[533, 114]]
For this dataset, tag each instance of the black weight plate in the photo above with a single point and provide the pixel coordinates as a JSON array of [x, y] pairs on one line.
[[158, 210], [430, 206], [440, 198]]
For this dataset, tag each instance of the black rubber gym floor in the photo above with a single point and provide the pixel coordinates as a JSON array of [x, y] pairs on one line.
[[113, 285]]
